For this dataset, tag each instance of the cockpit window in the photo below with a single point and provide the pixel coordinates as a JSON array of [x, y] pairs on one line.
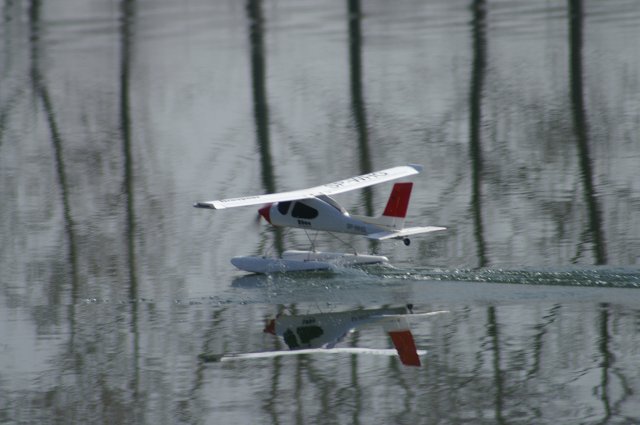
[[283, 207], [301, 210]]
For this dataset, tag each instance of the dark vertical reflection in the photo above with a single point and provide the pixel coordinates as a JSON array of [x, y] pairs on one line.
[[301, 362], [478, 25], [538, 340], [6, 11], [270, 405], [606, 362], [355, 383], [211, 334], [5, 111], [406, 397], [581, 128], [610, 407], [7, 17], [127, 9], [494, 335], [4, 114], [272, 402], [357, 96], [10, 12], [127, 19], [354, 16], [41, 92], [260, 104]]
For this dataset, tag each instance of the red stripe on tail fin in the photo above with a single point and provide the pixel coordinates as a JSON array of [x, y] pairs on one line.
[[406, 346], [398, 200]]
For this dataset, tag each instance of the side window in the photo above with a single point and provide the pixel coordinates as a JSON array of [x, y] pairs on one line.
[[283, 207], [301, 210]]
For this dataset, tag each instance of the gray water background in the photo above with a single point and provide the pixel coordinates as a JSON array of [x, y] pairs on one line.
[[115, 116]]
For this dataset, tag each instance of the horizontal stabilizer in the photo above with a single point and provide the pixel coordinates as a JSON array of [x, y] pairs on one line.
[[399, 234], [412, 315]]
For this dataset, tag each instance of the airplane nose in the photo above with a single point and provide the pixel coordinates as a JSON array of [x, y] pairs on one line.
[[265, 212], [270, 328]]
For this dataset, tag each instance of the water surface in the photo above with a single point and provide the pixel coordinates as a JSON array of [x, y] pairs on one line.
[[115, 116]]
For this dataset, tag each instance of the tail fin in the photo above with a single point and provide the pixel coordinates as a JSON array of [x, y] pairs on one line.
[[398, 200], [397, 205], [396, 210], [406, 347], [398, 330]]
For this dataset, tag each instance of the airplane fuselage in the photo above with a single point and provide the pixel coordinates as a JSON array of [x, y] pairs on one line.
[[326, 329], [317, 214]]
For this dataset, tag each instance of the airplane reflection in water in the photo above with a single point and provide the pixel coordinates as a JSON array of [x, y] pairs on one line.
[[320, 333]]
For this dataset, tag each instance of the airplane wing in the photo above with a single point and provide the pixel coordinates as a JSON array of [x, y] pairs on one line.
[[209, 358], [408, 231], [340, 186]]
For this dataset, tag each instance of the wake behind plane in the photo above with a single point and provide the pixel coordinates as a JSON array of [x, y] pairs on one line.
[[314, 209]]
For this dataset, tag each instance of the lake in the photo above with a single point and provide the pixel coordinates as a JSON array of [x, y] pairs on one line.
[[118, 303]]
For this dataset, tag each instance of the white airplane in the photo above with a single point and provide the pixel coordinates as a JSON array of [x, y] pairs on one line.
[[320, 333], [314, 209]]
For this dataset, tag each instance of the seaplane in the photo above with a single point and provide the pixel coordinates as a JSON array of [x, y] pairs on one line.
[[321, 333], [314, 209]]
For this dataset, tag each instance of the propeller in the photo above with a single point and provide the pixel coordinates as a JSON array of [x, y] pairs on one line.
[[263, 212]]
